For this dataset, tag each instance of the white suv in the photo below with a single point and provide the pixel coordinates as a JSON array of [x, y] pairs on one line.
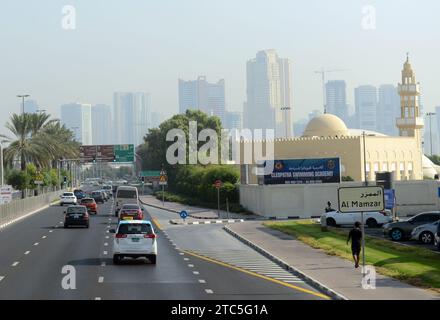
[[134, 239], [68, 198]]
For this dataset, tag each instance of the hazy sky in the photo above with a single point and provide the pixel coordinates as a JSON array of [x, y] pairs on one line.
[[146, 45]]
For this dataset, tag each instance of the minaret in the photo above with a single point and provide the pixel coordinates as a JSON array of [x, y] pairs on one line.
[[410, 123]]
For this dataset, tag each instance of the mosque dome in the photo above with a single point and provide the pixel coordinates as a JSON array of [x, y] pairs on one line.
[[326, 125]]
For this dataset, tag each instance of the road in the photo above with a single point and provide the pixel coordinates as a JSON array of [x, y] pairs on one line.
[[194, 262]]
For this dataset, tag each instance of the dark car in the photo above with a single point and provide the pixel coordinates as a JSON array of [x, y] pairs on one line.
[[79, 194], [98, 196], [401, 230], [76, 216], [437, 238]]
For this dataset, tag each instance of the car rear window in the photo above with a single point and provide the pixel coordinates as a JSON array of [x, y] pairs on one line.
[[67, 194], [75, 210], [87, 201], [130, 207], [128, 194], [139, 228]]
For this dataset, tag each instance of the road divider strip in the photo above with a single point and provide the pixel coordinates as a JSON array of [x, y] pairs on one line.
[[291, 286], [176, 222], [314, 283]]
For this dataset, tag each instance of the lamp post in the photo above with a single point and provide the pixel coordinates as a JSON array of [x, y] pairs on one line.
[[2, 164], [285, 117], [429, 114], [22, 96]]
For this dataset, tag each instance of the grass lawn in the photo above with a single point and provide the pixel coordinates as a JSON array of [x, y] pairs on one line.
[[416, 266]]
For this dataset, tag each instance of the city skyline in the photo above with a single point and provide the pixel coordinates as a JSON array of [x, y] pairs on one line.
[[297, 34]]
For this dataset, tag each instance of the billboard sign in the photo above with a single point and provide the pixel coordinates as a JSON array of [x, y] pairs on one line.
[[5, 194], [361, 199], [305, 171], [107, 153]]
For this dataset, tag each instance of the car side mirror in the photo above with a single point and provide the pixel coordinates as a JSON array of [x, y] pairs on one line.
[[112, 231], [143, 209], [64, 212]]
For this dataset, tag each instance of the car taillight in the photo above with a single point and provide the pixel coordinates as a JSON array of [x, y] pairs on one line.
[[384, 213], [150, 236], [120, 235]]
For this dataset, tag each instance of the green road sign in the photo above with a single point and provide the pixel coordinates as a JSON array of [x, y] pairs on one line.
[[124, 153]]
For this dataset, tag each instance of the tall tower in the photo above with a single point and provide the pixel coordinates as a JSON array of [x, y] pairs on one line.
[[410, 123]]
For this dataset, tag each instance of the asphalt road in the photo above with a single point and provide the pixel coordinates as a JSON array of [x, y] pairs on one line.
[[194, 262]]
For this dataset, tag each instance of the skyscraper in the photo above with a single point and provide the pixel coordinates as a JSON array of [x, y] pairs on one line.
[[204, 96], [101, 124], [388, 110], [130, 117], [78, 118], [336, 99], [269, 94], [233, 120], [366, 107]]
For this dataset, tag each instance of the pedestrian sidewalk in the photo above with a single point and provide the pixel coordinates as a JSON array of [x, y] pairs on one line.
[[336, 276], [194, 212]]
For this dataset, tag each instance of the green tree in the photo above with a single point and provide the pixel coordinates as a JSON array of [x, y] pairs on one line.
[[19, 180]]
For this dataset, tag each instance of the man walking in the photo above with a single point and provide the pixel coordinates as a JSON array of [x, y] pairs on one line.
[[356, 237]]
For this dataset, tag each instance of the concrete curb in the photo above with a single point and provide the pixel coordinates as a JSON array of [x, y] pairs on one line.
[[314, 283], [207, 222]]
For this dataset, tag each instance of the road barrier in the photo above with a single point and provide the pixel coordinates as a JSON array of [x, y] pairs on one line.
[[20, 209]]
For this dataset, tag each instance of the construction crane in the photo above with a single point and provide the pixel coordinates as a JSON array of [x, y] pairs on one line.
[[323, 72]]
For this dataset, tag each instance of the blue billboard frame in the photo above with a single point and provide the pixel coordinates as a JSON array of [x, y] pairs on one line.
[[305, 171]]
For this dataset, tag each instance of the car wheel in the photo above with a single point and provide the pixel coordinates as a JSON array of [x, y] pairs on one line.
[[152, 259], [117, 259], [396, 234], [62, 204], [66, 226], [331, 222], [426, 237], [371, 223]]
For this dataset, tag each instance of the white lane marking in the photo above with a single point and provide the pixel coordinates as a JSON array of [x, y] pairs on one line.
[[100, 279], [191, 265], [61, 222], [50, 231], [103, 264], [27, 252], [1, 278], [181, 253], [105, 252], [209, 291], [186, 259], [43, 237], [107, 237], [36, 244], [108, 231], [196, 272], [98, 298], [106, 244], [108, 226], [202, 281], [15, 264]]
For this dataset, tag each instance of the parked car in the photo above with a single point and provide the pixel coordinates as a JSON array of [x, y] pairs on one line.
[[371, 219], [90, 204], [134, 239], [68, 198], [76, 216], [131, 212], [437, 238], [401, 230], [79, 194], [98, 196], [425, 233], [125, 195]]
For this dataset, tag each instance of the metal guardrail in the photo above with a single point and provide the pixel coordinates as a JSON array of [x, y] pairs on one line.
[[19, 208]]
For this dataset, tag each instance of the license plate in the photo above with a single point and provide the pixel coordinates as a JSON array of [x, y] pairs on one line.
[[76, 216], [135, 239], [127, 218]]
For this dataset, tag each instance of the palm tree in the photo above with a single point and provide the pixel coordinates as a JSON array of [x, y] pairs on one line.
[[37, 139]]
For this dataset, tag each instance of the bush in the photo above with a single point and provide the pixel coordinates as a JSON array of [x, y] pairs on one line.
[[19, 180]]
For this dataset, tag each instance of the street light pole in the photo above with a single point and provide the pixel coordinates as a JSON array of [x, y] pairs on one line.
[[2, 165], [429, 114], [22, 96]]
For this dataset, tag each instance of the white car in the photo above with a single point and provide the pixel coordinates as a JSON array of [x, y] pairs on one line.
[[425, 233], [371, 219], [134, 239], [68, 198]]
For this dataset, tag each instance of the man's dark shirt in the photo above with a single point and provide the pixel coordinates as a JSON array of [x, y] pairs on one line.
[[356, 236]]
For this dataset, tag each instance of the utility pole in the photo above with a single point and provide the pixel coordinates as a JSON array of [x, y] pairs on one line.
[[323, 72], [429, 114], [22, 96]]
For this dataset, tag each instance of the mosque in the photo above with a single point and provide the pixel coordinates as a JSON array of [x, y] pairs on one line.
[[363, 153]]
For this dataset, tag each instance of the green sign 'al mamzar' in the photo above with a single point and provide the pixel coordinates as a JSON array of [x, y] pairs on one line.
[[360, 204]]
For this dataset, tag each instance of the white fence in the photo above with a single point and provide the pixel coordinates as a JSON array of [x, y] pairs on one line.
[[19, 208]]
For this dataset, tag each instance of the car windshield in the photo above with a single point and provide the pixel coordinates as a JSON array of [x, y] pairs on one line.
[[128, 194], [73, 210], [87, 201], [139, 228]]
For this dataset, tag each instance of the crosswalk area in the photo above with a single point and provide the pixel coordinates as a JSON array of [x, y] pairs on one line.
[[251, 261]]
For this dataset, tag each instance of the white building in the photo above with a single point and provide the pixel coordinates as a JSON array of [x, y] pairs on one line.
[[366, 107], [130, 117], [101, 124], [336, 99], [78, 118], [269, 94], [202, 95]]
